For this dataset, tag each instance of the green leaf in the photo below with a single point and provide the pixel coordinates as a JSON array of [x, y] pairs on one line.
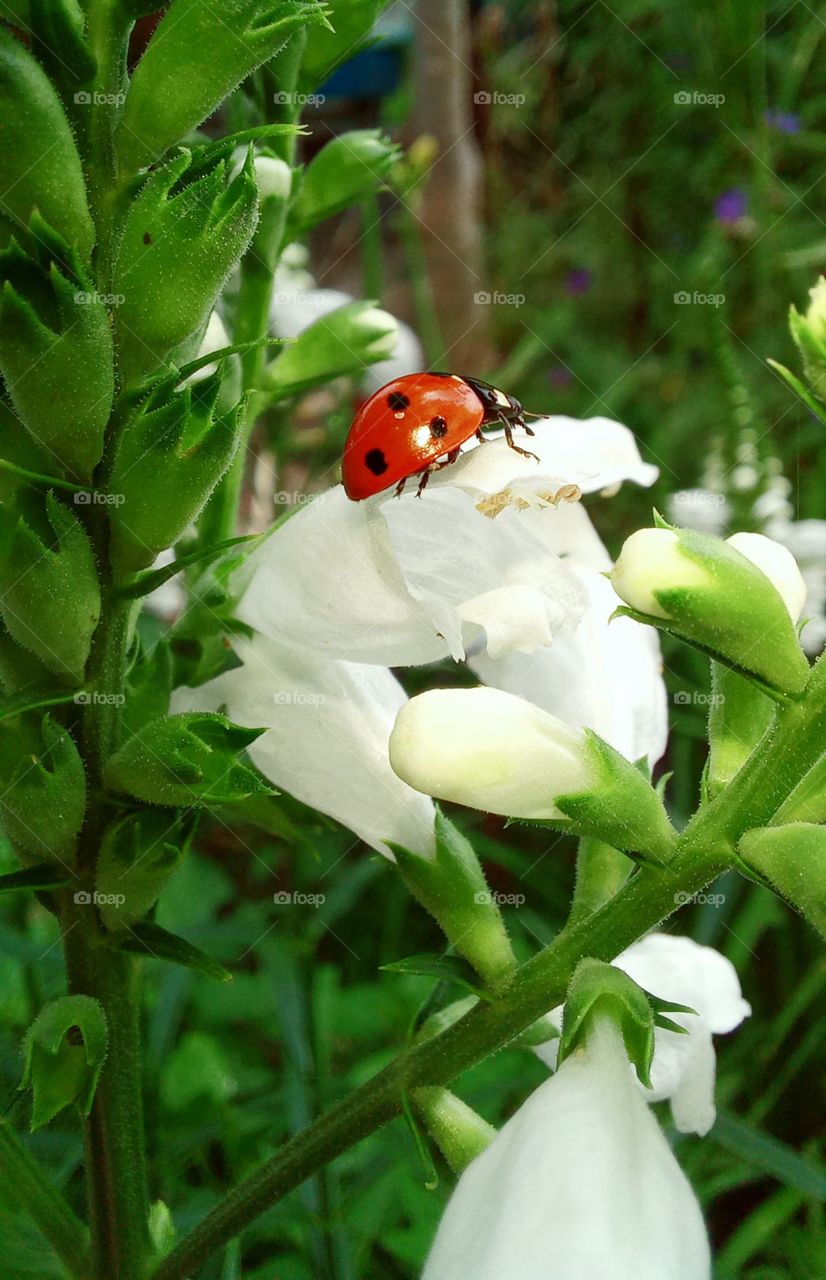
[[446, 968], [43, 800], [343, 342], [33, 175], [64, 1051], [349, 168], [186, 759], [49, 589], [768, 1155], [351, 22], [138, 855], [193, 61], [812, 404], [34, 879], [149, 939]]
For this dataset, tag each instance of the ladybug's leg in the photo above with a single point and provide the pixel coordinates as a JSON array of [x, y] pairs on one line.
[[509, 437], [435, 466], [400, 486], [423, 479]]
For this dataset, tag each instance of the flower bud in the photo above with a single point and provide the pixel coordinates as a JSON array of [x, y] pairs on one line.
[[169, 457], [33, 174], [350, 167], [170, 94], [49, 588], [43, 799], [56, 350], [732, 602], [183, 234], [460, 1133], [339, 343], [809, 333], [64, 1051], [791, 858], [499, 753]]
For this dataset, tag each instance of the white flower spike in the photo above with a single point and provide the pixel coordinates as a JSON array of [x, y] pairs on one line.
[[579, 1184]]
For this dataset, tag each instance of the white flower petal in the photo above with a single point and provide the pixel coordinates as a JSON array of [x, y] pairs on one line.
[[579, 1184], [594, 454], [605, 676], [328, 728]]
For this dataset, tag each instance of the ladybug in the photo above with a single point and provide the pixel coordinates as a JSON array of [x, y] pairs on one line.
[[417, 424]]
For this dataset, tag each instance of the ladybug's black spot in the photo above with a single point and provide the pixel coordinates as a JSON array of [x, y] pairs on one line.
[[147, 239], [438, 427], [398, 401], [375, 462]]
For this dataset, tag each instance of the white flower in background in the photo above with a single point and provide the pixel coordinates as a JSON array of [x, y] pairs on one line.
[[328, 724], [396, 582], [683, 1069], [580, 1184], [700, 509]]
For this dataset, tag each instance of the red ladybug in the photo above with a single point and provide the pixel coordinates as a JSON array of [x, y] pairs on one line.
[[417, 424]]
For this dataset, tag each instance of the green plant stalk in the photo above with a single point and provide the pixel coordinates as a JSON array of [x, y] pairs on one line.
[[601, 872], [108, 28], [704, 850], [25, 1182]]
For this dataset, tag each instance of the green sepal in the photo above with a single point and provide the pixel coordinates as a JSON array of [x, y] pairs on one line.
[[35, 174], [64, 1051], [43, 800], [350, 167], [138, 855], [169, 457], [59, 40], [601, 990], [452, 887], [458, 1131], [351, 22], [184, 232], [44, 875], [739, 715], [56, 349], [622, 809], [431, 1177], [148, 687], [802, 392], [341, 343], [186, 759], [49, 588], [149, 939], [792, 860], [810, 340], [193, 61], [445, 968]]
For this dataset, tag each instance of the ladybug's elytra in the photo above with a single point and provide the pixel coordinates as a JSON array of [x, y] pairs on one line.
[[417, 424]]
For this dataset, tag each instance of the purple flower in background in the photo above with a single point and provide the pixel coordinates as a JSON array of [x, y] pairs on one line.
[[783, 121], [578, 281], [731, 206], [559, 377]]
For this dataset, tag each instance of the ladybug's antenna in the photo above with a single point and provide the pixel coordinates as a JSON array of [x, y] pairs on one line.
[[527, 414]]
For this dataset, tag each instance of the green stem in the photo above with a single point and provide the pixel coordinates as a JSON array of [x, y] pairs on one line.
[[26, 1183], [601, 871]]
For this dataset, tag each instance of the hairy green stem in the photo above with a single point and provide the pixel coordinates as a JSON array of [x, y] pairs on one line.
[[26, 1183], [601, 872]]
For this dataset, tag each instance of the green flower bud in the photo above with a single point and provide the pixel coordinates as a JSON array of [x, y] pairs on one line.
[[343, 342], [188, 759], [452, 887], [792, 859], [170, 93], [43, 799], [183, 234], [35, 174], [169, 457], [49, 589], [56, 351], [734, 600], [347, 169], [461, 1134], [809, 333], [137, 857], [64, 1051]]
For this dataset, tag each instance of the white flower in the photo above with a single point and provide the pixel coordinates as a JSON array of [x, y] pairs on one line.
[[491, 751], [328, 726], [681, 971], [580, 1184]]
